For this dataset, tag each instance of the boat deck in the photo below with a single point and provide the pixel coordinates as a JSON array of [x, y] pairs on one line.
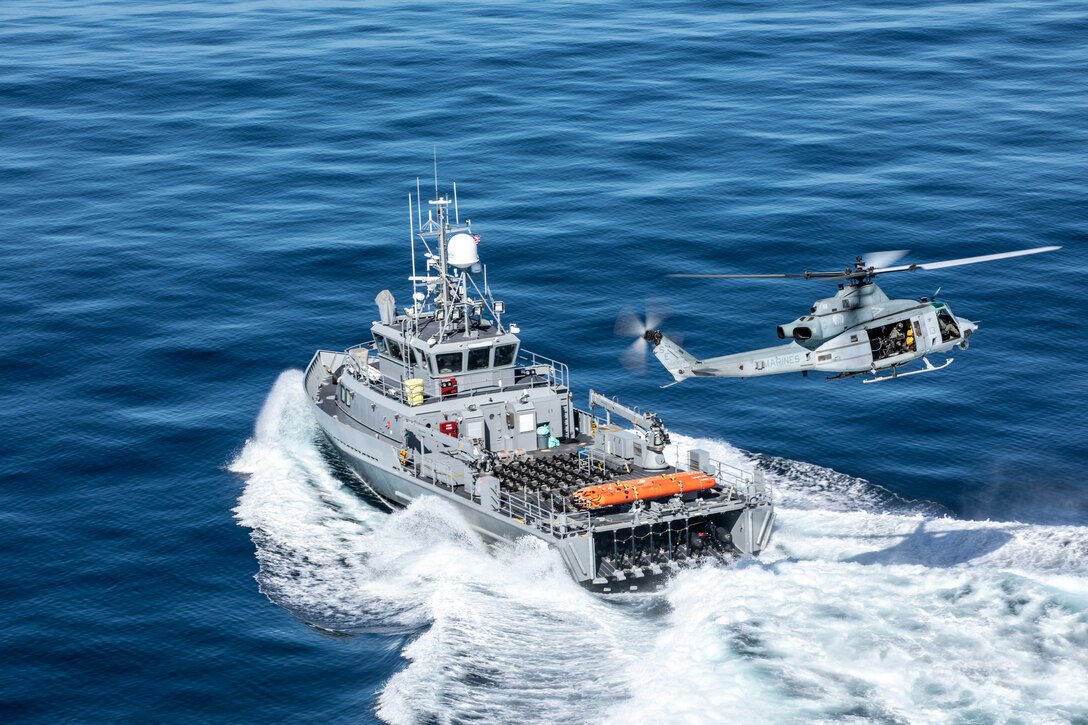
[[539, 484]]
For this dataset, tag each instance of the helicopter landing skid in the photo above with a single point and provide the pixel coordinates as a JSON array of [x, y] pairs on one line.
[[929, 368]]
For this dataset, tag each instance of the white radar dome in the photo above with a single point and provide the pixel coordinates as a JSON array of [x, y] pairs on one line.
[[461, 251]]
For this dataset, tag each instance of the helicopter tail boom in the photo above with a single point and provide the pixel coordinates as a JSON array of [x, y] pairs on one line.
[[678, 361], [755, 363]]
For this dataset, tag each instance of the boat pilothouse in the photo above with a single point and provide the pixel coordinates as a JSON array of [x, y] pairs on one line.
[[442, 400]]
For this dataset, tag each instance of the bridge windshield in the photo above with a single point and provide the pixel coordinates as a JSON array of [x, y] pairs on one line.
[[504, 354], [479, 358], [448, 362]]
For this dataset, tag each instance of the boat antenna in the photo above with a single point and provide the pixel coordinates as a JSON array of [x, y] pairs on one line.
[[456, 213], [434, 152], [412, 246], [442, 251], [419, 212]]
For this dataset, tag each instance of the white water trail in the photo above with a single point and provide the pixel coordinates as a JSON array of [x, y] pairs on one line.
[[865, 607]]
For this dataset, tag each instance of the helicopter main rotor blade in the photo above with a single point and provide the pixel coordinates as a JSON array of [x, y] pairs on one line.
[[965, 260], [803, 275], [883, 259], [869, 271]]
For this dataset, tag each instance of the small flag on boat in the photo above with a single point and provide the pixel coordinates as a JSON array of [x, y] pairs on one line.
[[476, 237]]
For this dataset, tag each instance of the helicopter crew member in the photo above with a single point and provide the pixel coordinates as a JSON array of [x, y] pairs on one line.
[[895, 338]]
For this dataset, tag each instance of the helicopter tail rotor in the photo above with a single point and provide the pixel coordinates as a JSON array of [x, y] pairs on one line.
[[644, 329]]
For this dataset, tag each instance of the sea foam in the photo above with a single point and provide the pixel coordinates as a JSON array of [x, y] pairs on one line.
[[865, 606]]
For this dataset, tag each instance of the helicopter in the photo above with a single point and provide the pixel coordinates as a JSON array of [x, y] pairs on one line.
[[858, 331]]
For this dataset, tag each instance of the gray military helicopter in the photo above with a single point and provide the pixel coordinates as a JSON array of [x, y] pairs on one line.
[[859, 331]]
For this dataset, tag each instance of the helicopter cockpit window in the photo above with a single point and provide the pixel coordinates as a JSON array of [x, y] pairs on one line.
[[949, 329], [504, 354], [449, 362], [479, 358]]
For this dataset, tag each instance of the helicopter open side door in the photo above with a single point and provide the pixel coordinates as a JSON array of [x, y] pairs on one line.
[[900, 337]]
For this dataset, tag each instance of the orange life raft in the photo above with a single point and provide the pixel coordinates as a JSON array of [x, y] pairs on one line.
[[609, 494]]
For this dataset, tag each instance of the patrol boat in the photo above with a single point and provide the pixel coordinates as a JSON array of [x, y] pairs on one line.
[[444, 401]]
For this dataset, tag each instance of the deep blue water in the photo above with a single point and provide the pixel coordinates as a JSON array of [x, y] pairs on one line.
[[197, 195]]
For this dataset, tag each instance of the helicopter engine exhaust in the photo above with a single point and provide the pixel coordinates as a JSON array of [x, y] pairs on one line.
[[797, 332]]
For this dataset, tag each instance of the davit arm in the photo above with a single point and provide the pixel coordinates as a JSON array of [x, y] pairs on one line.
[[658, 436]]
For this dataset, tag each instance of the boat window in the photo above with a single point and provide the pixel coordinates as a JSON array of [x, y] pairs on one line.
[[479, 358], [379, 341], [394, 350], [448, 362], [419, 357], [504, 354]]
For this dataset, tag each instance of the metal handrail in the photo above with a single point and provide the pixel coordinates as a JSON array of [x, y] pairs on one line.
[[560, 525], [555, 373]]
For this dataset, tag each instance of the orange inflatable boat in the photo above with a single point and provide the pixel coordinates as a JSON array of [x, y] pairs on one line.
[[609, 494]]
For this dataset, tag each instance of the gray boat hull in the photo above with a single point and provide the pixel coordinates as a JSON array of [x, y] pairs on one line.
[[377, 464]]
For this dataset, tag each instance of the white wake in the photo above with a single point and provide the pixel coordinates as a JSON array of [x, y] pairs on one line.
[[865, 607]]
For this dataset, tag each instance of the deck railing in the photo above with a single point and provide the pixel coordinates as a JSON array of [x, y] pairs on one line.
[[554, 373], [727, 474], [533, 370], [562, 523]]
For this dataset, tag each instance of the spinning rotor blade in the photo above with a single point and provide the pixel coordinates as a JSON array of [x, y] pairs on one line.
[[883, 259], [633, 359], [873, 265], [630, 324], [803, 275], [965, 260]]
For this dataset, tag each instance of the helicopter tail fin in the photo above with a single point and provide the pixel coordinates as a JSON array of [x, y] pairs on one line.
[[676, 359]]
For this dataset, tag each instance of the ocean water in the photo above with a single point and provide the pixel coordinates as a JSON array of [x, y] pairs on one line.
[[197, 195]]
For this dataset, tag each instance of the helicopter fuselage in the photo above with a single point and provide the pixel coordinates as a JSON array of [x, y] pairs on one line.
[[859, 330]]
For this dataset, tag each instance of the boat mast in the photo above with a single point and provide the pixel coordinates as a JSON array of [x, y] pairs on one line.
[[440, 206], [415, 283]]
